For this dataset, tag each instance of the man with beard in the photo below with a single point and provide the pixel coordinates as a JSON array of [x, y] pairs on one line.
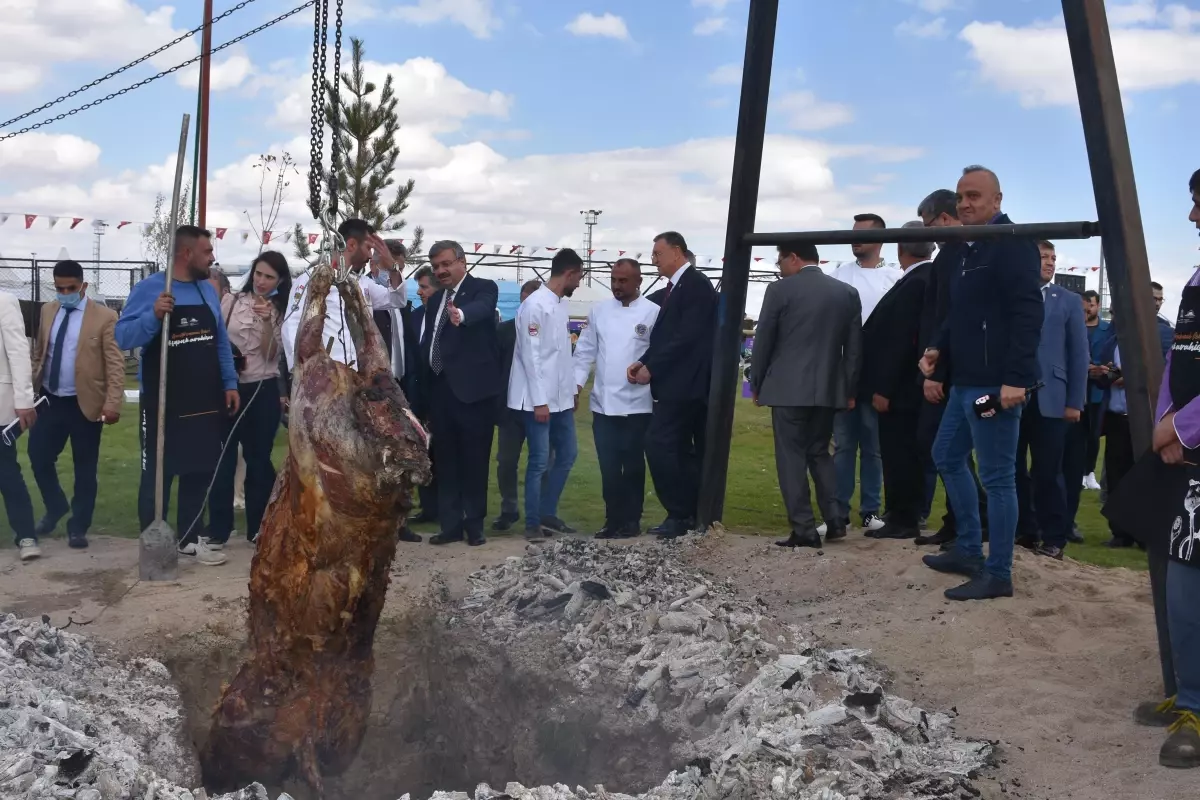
[[202, 385], [542, 387]]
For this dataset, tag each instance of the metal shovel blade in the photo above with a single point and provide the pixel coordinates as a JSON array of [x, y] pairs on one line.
[[158, 554]]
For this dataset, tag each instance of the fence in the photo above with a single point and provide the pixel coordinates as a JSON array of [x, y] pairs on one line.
[[32, 279]]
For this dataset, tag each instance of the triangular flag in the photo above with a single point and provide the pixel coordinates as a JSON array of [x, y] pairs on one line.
[[75, 221], [29, 218], [287, 237], [551, 249], [758, 258], [533, 250], [53, 221], [638, 256], [514, 249], [245, 236], [401, 241], [4, 218], [477, 246], [221, 232], [496, 249], [589, 253], [312, 238], [122, 225], [620, 253], [266, 237]]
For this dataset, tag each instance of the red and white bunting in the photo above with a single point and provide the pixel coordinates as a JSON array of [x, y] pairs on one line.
[[221, 233], [123, 224], [29, 218], [75, 221], [266, 237], [312, 238], [53, 222], [477, 246]]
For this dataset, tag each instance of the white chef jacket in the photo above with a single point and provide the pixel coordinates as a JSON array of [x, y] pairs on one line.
[[615, 337], [542, 373], [378, 298]]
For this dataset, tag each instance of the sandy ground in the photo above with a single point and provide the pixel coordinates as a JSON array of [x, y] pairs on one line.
[[1052, 675]]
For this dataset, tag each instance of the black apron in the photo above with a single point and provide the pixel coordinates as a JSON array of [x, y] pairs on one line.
[[197, 420], [1185, 386]]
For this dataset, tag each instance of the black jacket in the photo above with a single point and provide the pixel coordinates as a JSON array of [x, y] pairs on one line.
[[892, 343], [681, 344], [936, 307], [994, 323], [506, 335], [470, 352]]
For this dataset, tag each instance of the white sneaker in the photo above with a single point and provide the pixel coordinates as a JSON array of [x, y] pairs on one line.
[[872, 522], [1090, 482], [211, 545], [203, 555], [29, 549], [239, 503], [822, 529]]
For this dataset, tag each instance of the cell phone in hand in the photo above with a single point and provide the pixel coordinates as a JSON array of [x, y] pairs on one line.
[[13, 430]]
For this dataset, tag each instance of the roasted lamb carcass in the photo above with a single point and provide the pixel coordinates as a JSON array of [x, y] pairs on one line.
[[298, 706]]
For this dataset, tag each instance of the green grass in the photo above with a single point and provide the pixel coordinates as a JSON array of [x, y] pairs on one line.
[[752, 501]]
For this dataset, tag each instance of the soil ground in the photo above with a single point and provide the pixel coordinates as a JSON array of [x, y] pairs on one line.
[[1053, 674]]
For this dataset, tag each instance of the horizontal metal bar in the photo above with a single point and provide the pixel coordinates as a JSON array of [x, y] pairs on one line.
[[956, 233]]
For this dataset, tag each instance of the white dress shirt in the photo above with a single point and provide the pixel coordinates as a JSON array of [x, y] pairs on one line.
[[872, 283], [615, 337], [440, 311], [377, 298], [66, 370], [542, 373]]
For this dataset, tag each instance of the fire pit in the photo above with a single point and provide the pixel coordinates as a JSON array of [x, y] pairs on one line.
[[588, 671]]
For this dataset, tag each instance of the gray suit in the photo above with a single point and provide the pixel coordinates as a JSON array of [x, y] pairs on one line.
[[805, 365]]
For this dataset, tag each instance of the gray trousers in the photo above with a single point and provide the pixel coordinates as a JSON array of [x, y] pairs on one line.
[[802, 436]]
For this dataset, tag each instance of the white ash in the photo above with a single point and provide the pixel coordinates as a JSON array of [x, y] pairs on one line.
[[763, 711], [76, 723]]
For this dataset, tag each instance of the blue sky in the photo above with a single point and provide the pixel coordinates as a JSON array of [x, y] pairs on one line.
[[519, 113]]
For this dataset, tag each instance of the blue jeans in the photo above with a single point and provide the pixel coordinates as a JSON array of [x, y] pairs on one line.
[[1183, 618], [854, 430], [541, 500], [995, 444]]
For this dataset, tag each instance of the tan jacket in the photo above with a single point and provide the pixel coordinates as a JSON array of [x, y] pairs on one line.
[[99, 365], [15, 389]]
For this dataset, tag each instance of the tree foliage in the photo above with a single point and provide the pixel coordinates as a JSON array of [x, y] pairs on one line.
[[156, 237]]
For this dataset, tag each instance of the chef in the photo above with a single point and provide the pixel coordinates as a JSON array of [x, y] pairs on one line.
[[361, 241], [201, 385], [617, 335]]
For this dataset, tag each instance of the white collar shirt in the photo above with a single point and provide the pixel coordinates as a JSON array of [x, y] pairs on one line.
[[615, 337], [542, 372], [674, 279], [335, 324], [442, 310]]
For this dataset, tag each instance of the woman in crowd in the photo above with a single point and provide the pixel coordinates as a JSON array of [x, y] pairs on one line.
[[253, 317]]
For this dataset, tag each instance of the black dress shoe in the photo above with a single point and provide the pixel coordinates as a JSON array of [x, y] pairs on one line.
[[477, 541], [1027, 541], [1118, 542], [1074, 536], [445, 538], [505, 521], [46, 525], [630, 530], [796, 540], [423, 517], [658, 529], [943, 536], [553, 525], [77, 541], [981, 587], [609, 531], [835, 534], [407, 535], [955, 563], [893, 531], [1050, 551]]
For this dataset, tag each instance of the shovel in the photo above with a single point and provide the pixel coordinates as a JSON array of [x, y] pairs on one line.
[[158, 553]]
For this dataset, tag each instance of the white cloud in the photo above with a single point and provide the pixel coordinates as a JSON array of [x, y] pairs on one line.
[[726, 75], [18, 77], [43, 154], [715, 5], [807, 112], [928, 29], [707, 27], [1035, 62], [477, 16], [607, 25]]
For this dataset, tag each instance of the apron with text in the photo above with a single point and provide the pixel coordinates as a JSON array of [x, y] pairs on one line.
[[196, 418], [1185, 386]]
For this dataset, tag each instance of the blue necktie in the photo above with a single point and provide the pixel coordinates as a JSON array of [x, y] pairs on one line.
[[56, 357]]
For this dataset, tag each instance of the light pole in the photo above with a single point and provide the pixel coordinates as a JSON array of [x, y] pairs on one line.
[[590, 218]]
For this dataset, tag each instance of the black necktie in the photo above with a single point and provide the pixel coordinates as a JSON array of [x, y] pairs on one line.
[[56, 356], [435, 355]]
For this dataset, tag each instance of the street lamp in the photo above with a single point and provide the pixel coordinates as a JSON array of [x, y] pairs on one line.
[[590, 218]]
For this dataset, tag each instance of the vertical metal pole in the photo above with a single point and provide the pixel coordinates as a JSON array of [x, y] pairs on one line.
[[166, 325], [1125, 258], [201, 187], [735, 275]]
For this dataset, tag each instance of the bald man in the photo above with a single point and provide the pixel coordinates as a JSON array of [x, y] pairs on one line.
[[990, 336]]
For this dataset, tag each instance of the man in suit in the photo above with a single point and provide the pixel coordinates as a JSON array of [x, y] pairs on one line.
[[16, 405], [991, 335], [940, 210], [414, 385], [890, 377], [1063, 361], [79, 369], [460, 359], [805, 366], [677, 365], [511, 423]]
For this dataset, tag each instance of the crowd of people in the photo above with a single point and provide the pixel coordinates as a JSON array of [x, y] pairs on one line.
[[970, 366]]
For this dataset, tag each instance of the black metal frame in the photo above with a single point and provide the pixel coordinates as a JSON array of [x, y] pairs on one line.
[[1117, 208]]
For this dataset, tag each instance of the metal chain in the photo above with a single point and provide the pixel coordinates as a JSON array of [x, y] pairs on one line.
[[130, 65], [153, 78], [317, 120], [335, 148]]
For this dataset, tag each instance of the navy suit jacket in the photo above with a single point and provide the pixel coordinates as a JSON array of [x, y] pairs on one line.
[[470, 351], [681, 344], [1063, 353]]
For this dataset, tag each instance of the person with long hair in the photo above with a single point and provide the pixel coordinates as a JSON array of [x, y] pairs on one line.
[[253, 317]]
